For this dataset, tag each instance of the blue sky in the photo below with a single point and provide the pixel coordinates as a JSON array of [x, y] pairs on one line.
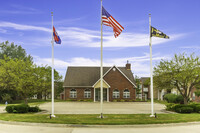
[[28, 23]]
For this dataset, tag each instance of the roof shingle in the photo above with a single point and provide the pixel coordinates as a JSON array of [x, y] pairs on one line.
[[88, 76]]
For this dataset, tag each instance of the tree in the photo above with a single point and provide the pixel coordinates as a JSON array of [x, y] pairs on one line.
[[13, 51], [7, 52], [138, 84], [7, 77], [17, 75], [26, 81], [181, 72], [43, 80], [147, 82], [58, 88]]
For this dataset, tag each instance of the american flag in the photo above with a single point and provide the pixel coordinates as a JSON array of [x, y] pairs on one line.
[[108, 20]]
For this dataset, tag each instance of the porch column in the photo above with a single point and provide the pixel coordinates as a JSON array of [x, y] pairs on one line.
[[94, 94], [107, 94], [64, 94]]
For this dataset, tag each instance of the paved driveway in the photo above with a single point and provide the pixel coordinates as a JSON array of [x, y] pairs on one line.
[[108, 108], [2, 109]]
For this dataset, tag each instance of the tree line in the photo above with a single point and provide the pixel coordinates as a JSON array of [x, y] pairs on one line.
[[21, 78]]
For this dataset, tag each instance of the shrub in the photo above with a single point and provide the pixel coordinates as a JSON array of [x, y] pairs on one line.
[[179, 99], [185, 110], [34, 109], [23, 108], [170, 98], [170, 106], [10, 108], [115, 100], [88, 100], [197, 110], [122, 100], [178, 106], [192, 106]]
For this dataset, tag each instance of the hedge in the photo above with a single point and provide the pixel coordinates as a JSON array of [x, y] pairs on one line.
[[185, 110], [173, 98], [23, 108], [181, 108], [34, 109]]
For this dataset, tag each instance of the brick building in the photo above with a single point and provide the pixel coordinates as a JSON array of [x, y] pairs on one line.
[[146, 89], [83, 83]]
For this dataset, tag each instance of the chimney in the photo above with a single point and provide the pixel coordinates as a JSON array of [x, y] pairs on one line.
[[128, 66]]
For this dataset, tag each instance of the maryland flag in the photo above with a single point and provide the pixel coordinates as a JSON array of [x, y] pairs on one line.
[[157, 33]]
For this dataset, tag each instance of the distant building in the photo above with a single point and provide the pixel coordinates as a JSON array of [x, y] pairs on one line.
[[146, 91]]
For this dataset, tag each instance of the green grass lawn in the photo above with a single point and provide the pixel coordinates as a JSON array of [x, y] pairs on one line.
[[111, 119]]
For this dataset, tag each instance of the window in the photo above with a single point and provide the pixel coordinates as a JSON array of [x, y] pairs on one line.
[[87, 93], [116, 93], [73, 93], [126, 93], [193, 96]]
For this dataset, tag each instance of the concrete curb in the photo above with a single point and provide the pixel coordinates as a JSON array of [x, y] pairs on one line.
[[98, 126]]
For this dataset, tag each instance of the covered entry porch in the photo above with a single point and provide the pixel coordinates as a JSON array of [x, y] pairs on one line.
[[97, 91]]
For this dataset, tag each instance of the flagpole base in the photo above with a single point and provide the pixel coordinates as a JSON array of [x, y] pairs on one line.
[[53, 116], [101, 116], [152, 115]]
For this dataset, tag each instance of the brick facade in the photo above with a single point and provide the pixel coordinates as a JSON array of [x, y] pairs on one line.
[[118, 81], [115, 79]]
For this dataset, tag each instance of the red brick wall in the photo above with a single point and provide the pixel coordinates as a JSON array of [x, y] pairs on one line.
[[148, 93], [80, 93], [117, 81]]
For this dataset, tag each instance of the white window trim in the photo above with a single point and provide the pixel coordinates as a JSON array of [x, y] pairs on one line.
[[73, 94], [116, 94], [126, 94], [87, 94]]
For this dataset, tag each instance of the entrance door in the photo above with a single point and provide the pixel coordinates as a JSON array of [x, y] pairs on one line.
[[98, 94]]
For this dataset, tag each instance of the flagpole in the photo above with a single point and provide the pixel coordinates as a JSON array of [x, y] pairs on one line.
[[52, 92], [151, 69], [101, 69]]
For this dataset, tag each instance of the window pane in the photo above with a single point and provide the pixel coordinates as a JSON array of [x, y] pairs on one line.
[[87, 93], [72, 93]]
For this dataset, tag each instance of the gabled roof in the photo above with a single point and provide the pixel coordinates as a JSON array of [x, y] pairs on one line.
[[143, 79], [88, 76]]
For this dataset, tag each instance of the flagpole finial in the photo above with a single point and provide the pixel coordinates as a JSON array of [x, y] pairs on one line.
[[51, 13]]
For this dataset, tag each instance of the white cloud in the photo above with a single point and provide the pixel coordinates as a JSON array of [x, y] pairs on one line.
[[81, 37], [91, 38], [140, 65], [3, 31], [19, 9], [23, 27]]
